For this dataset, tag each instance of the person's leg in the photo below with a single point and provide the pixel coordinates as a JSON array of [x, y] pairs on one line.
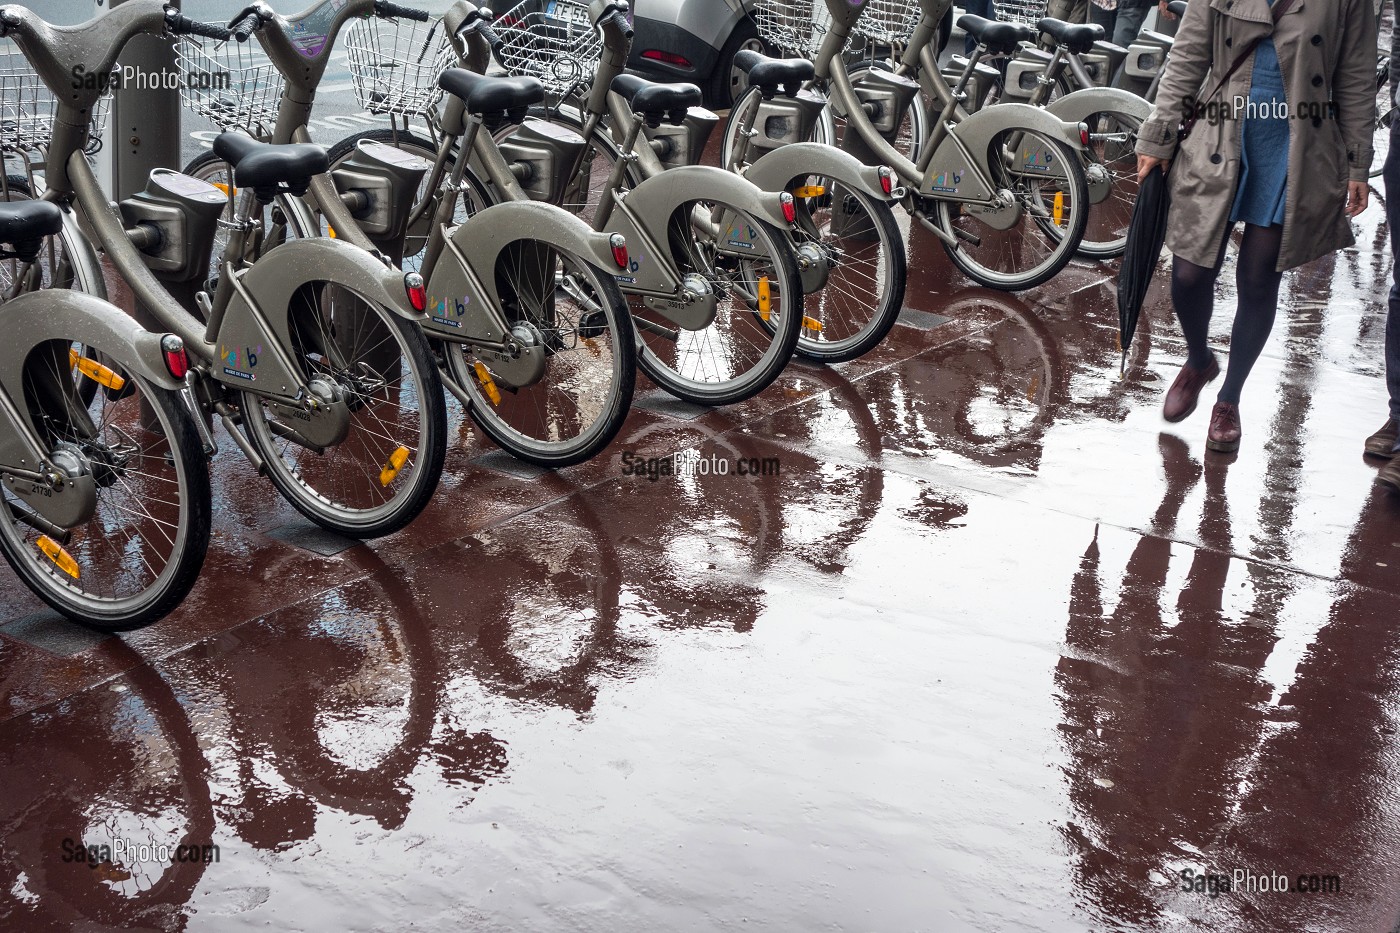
[[1392, 210], [1193, 297], [1105, 18], [1128, 24], [983, 8], [1257, 283]]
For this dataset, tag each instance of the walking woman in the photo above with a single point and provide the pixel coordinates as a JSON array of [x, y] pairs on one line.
[[1285, 93]]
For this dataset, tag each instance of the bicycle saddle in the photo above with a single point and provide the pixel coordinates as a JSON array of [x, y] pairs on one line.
[[652, 100], [767, 73], [1178, 7], [492, 94], [24, 224], [263, 166], [1076, 38], [999, 38], [1108, 48]]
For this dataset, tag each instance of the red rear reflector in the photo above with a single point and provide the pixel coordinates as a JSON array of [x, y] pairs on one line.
[[417, 293], [619, 250], [789, 207], [1084, 133], [886, 178], [670, 58], [176, 363]]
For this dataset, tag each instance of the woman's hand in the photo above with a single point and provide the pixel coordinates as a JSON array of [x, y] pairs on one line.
[[1358, 194], [1147, 163]]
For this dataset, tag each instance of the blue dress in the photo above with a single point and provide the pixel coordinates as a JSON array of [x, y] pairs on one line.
[[1259, 199]]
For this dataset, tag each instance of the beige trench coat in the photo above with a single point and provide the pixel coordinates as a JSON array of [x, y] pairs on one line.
[[1327, 55]]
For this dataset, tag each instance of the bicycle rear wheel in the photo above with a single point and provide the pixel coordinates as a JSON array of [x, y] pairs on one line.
[[1112, 157], [140, 551], [1042, 185], [384, 471], [576, 404]]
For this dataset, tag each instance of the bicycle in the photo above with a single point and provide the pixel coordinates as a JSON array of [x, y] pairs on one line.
[[849, 248], [531, 331], [106, 502], [309, 357], [1003, 189], [712, 285]]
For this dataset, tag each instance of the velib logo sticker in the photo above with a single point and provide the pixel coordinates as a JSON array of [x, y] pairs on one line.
[[947, 182], [237, 362], [1037, 160], [449, 311], [741, 236]]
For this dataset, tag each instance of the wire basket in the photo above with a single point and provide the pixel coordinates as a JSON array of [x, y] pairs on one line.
[[797, 27], [27, 108], [887, 22], [553, 40], [233, 85], [1025, 12], [395, 64]]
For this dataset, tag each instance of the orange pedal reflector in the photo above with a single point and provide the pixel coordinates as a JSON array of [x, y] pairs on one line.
[[811, 323], [487, 383], [765, 297], [391, 469], [225, 188], [61, 558], [1059, 212], [95, 371], [809, 191]]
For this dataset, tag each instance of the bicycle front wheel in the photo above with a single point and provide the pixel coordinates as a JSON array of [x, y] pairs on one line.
[[140, 551], [576, 403], [1038, 222], [383, 472]]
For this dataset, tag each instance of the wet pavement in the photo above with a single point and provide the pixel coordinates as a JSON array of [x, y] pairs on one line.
[[995, 649]]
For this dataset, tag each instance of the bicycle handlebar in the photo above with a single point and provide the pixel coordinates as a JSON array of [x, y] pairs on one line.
[[389, 10], [184, 26], [244, 28], [491, 37]]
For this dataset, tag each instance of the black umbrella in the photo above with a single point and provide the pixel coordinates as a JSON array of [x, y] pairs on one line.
[[1146, 233]]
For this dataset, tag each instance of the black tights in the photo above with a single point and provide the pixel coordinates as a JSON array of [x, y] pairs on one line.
[[1193, 295]]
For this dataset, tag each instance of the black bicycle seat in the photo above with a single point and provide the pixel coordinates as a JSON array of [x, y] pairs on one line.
[[768, 73], [653, 100], [264, 166], [1077, 38], [999, 38], [485, 94], [22, 222], [1177, 8]]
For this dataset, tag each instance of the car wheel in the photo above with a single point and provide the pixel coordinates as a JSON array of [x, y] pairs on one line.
[[728, 82]]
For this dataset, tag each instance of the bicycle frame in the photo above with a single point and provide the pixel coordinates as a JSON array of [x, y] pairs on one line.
[[238, 315]]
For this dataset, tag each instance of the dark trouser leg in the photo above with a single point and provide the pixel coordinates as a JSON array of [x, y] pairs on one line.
[[1392, 212], [1128, 24], [1257, 284], [1105, 18], [1193, 297]]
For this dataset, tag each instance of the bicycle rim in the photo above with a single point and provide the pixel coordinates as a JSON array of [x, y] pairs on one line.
[[1112, 142], [380, 476], [138, 554]]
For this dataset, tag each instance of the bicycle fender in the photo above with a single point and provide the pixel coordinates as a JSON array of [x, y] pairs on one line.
[[457, 289], [1078, 105], [249, 354], [948, 172], [776, 168], [58, 314]]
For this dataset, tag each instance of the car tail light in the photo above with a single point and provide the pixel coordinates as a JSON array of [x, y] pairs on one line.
[[176, 362], [886, 179], [417, 293], [619, 249], [669, 58], [789, 207]]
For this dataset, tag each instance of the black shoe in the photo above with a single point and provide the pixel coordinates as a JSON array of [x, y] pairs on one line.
[[1383, 442], [1390, 475]]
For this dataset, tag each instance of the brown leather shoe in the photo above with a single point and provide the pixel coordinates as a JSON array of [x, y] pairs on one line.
[[1382, 443], [1182, 396], [1390, 475], [1224, 428]]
